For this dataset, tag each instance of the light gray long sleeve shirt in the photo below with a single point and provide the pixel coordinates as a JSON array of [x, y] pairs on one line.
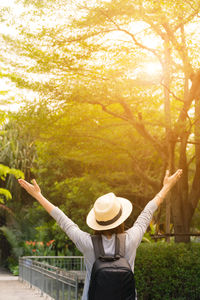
[[83, 241]]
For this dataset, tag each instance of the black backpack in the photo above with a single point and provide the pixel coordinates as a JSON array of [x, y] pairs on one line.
[[111, 277]]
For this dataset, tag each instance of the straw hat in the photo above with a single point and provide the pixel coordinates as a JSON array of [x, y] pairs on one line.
[[108, 212]]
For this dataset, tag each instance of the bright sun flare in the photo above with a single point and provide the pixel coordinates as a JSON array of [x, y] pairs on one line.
[[152, 68]]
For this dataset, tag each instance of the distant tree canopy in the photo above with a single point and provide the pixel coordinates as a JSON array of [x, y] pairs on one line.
[[98, 105]]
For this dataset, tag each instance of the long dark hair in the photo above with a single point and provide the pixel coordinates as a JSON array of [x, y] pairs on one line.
[[116, 230]]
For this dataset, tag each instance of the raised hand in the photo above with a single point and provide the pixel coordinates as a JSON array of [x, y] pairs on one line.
[[32, 189], [169, 181]]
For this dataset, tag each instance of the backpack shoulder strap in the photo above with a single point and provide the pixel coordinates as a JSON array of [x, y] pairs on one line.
[[97, 245], [120, 244]]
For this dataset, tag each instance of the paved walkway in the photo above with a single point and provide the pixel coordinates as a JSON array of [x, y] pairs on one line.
[[12, 289]]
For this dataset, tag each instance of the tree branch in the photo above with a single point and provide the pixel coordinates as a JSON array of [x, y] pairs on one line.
[[140, 171], [193, 93], [172, 93], [141, 45], [179, 48], [189, 18], [88, 35], [138, 125]]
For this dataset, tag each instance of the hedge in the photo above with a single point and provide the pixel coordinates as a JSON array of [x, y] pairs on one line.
[[168, 271]]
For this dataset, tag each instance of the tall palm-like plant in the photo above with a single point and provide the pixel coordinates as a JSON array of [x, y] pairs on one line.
[[16, 157]]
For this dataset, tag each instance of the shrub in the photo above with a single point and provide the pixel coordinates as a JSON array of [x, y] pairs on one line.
[[168, 271], [39, 248]]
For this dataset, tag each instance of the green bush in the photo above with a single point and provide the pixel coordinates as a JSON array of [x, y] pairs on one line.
[[168, 271]]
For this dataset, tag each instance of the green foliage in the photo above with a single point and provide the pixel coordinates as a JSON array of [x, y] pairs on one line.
[[100, 122], [152, 230], [6, 194], [40, 248], [13, 267], [4, 171], [168, 271], [14, 239], [17, 173]]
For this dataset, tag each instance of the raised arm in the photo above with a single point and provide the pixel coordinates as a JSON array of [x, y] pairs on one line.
[[81, 239], [35, 192], [138, 229]]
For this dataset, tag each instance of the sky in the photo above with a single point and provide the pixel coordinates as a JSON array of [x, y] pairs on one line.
[[9, 92], [13, 10], [9, 27]]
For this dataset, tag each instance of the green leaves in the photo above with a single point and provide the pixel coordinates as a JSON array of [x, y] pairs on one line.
[[16, 173], [4, 171], [6, 194], [167, 271], [99, 119]]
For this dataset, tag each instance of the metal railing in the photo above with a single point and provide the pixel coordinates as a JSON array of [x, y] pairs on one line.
[[64, 262], [61, 278]]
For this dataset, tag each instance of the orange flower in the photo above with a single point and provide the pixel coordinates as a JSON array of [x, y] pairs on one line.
[[40, 243], [50, 242], [34, 250]]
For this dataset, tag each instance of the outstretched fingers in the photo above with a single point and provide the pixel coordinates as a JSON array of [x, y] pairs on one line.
[[23, 182], [171, 180], [36, 186], [34, 183], [167, 173], [30, 188], [178, 174]]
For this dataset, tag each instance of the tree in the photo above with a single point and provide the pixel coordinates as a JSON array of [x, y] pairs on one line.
[[97, 69], [167, 21]]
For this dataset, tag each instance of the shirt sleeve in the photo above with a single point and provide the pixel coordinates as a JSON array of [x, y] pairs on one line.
[[81, 239], [142, 222]]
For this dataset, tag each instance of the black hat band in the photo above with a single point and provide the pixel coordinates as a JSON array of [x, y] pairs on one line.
[[109, 222]]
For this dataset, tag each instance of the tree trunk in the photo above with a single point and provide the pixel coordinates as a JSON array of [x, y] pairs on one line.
[[181, 219], [180, 208], [167, 110], [195, 189]]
